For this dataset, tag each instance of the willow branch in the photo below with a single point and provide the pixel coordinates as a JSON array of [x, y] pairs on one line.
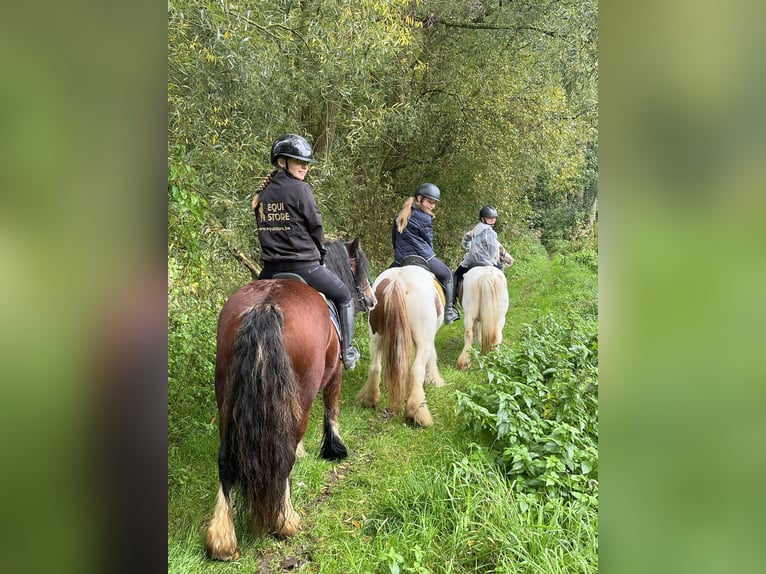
[[475, 26]]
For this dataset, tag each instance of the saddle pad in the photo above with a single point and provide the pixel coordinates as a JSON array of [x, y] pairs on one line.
[[440, 291], [334, 316]]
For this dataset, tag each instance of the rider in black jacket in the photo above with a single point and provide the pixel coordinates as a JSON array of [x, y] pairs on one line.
[[291, 234]]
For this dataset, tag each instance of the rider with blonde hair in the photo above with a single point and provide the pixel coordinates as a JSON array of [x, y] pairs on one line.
[[413, 234]]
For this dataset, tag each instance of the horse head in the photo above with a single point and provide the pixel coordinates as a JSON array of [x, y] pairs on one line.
[[347, 260], [360, 269]]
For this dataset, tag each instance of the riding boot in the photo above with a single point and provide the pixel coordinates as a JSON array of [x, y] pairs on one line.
[[456, 281], [348, 354], [450, 313]]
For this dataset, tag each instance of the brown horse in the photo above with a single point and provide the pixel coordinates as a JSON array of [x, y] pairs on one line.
[[277, 348]]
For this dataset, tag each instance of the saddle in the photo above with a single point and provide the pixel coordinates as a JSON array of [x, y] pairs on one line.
[[418, 261], [330, 305]]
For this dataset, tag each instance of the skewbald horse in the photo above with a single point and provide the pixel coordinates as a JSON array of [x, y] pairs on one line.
[[277, 348], [485, 303], [408, 313]]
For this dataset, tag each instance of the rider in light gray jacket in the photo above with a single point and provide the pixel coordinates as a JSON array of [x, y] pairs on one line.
[[482, 246]]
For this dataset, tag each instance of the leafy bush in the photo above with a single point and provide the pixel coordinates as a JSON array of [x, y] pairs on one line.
[[191, 350], [194, 300], [537, 409]]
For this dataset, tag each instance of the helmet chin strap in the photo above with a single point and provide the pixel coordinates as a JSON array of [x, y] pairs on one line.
[[286, 167]]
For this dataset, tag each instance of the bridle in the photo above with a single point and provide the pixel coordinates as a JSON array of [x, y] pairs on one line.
[[360, 289]]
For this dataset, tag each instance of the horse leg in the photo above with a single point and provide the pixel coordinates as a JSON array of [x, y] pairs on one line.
[[432, 368], [369, 395], [289, 521], [416, 411], [300, 450], [463, 361], [472, 304], [332, 445], [221, 541]]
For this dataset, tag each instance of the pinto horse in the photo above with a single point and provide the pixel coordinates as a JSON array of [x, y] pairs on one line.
[[409, 311], [277, 348], [485, 303]]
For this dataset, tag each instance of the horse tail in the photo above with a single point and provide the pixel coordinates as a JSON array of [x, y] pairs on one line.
[[488, 310], [397, 344], [263, 413]]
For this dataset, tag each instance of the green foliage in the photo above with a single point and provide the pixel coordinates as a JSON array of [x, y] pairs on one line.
[[191, 348], [479, 98], [194, 300], [186, 213], [537, 409], [565, 208]]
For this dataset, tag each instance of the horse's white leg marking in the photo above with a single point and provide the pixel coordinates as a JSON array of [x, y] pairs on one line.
[[221, 541], [463, 361], [433, 368], [300, 450], [288, 519], [417, 409]]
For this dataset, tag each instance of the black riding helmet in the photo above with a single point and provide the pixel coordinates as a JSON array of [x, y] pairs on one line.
[[487, 211], [429, 190], [291, 145]]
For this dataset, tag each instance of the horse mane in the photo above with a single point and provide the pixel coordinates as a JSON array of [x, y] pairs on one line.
[[337, 260]]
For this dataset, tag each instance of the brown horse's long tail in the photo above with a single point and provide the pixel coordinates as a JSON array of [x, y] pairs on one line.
[[263, 414], [397, 345]]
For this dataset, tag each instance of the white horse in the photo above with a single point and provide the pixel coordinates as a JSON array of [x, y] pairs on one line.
[[409, 311], [485, 303]]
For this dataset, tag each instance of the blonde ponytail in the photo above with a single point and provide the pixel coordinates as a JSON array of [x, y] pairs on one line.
[[404, 215], [261, 187]]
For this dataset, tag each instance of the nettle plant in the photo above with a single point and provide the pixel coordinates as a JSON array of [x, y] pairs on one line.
[[537, 409]]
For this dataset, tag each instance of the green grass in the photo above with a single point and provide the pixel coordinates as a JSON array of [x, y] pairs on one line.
[[406, 499]]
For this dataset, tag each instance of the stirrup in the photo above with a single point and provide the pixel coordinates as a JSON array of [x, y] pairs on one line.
[[451, 315]]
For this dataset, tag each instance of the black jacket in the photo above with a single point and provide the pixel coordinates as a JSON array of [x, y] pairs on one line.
[[289, 223]]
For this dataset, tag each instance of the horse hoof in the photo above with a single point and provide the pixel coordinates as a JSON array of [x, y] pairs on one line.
[[291, 526], [420, 418], [223, 554], [366, 403]]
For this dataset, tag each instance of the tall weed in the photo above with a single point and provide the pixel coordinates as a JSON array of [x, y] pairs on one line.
[[536, 409], [463, 515]]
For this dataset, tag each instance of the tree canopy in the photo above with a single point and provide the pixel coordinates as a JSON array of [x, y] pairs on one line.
[[495, 102]]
